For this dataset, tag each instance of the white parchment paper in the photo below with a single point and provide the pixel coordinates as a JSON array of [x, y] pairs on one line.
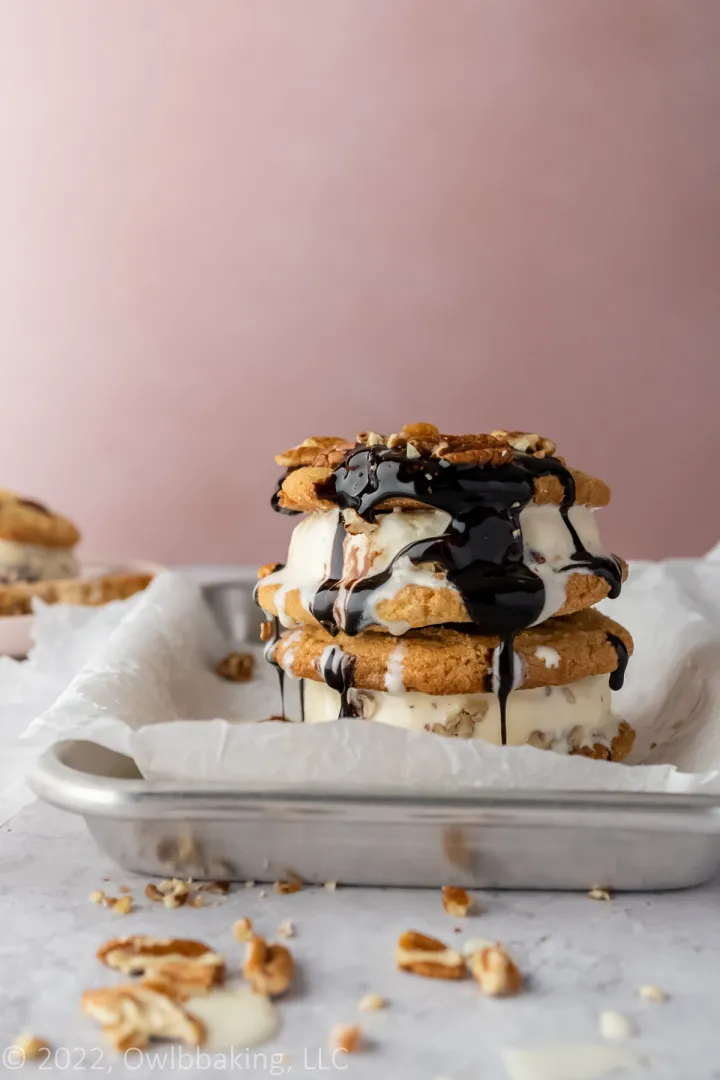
[[138, 678]]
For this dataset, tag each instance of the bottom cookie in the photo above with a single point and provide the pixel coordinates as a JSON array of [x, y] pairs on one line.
[[571, 719]]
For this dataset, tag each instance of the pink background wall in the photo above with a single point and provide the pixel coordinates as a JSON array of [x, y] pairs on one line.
[[226, 224]]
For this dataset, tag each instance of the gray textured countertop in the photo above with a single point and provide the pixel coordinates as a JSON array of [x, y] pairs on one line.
[[581, 957]]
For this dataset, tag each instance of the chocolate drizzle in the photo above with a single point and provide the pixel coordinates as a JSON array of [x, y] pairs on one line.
[[606, 567], [617, 677], [337, 668], [270, 657], [323, 602], [505, 680], [481, 550]]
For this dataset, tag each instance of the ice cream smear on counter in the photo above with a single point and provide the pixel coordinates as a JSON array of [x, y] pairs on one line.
[[570, 1061], [235, 1016]]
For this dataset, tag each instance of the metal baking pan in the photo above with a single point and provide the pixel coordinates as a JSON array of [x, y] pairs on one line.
[[532, 840]]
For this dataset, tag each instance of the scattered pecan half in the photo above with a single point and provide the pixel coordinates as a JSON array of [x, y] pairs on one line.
[[495, 971], [424, 955], [269, 968], [188, 965], [133, 1014]]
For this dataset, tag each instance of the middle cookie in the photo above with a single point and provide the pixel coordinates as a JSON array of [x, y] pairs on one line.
[[351, 574]]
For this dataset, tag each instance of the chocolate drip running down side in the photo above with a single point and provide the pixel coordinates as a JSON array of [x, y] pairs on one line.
[[617, 677], [323, 602], [481, 550], [270, 658], [606, 567], [337, 669], [505, 681]]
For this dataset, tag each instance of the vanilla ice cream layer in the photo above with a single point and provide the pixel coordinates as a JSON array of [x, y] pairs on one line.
[[559, 718], [547, 545], [33, 562]]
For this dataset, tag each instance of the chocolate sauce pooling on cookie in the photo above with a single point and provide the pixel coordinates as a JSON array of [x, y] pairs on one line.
[[481, 550]]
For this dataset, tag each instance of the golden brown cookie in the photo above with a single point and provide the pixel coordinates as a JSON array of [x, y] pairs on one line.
[[28, 522], [442, 661], [17, 599], [311, 464], [421, 605]]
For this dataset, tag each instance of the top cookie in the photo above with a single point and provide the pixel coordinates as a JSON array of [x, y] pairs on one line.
[[25, 521], [314, 467]]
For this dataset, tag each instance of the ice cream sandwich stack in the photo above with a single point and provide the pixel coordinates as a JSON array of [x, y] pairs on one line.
[[446, 583], [38, 561]]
